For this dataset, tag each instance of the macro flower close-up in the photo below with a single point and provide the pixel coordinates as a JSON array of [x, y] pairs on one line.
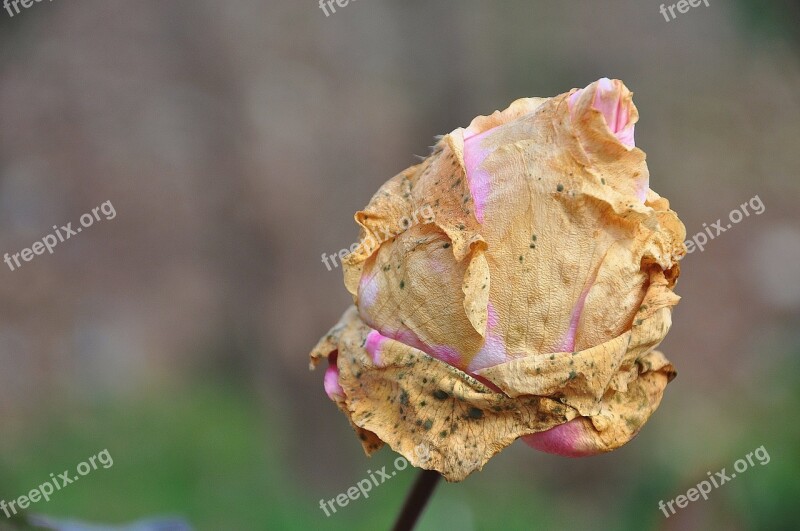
[[360, 265], [527, 304]]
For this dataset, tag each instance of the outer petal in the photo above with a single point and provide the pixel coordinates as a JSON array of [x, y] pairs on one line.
[[411, 401], [433, 414]]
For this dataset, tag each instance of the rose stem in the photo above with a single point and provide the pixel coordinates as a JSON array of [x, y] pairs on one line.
[[417, 499]]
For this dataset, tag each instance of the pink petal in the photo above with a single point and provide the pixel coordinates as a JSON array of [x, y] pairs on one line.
[[373, 346], [493, 352], [331, 380], [569, 439], [609, 100], [478, 179]]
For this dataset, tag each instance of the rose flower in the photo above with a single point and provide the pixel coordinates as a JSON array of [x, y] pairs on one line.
[[526, 304]]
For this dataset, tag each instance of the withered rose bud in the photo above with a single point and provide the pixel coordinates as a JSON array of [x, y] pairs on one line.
[[526, 305]]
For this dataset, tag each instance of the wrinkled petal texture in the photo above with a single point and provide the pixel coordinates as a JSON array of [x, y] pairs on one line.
[[529, 306]]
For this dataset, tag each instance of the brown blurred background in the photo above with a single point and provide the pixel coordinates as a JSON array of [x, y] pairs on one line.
[[235, 141]]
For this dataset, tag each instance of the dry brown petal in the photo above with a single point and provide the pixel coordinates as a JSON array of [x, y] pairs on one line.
[[412, 400]]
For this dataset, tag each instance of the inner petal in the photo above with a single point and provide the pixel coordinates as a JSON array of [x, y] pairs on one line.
[[478, 179]]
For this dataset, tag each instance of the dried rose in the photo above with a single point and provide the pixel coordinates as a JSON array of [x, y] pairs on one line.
[[528, 303]]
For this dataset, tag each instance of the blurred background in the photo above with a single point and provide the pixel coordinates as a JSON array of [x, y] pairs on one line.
[[235, 141]]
